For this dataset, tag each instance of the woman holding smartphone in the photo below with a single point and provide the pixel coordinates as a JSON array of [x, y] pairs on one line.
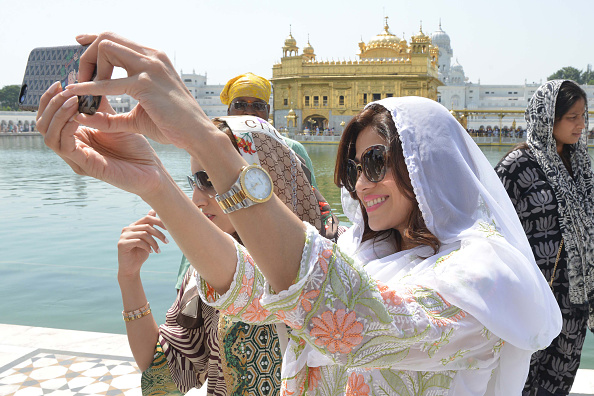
[[434, 289]]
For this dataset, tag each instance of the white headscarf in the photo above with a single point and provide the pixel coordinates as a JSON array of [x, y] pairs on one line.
[[463, 202]]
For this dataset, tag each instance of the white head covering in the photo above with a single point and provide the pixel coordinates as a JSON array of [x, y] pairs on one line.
[[464, 205]]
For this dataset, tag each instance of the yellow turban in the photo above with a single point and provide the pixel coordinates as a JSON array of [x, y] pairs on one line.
[[247, 84]]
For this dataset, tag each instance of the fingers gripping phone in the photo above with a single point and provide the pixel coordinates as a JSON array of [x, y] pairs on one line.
[[48, 65]]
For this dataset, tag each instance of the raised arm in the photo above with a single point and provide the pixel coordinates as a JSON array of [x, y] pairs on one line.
[[168, 113], [127, 161], [136, 242]]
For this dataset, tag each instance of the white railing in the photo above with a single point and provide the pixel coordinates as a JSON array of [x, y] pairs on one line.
[[313, 138]]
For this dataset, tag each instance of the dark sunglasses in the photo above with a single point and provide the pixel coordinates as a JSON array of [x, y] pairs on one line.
[[201, 181], [258, 106], [372, 165]]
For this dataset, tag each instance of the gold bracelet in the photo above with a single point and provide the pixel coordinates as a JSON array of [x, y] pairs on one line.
[[138, 316], [136, 312]]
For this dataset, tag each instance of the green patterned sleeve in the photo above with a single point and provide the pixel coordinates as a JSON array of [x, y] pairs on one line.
[[156, 380]]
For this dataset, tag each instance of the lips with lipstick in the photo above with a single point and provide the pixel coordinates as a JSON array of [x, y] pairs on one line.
[[372, 202]]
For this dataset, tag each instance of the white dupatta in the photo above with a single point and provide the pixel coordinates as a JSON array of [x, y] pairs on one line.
[[463, 203]]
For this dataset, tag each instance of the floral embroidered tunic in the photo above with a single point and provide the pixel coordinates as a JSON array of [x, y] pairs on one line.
[[374, 339]]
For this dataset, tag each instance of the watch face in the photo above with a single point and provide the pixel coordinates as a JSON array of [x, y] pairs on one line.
[[257, 184]]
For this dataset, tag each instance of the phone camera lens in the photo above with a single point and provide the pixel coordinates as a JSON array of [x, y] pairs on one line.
[[23, 93]]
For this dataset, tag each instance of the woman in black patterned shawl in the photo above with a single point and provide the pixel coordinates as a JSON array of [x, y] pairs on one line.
[[550, 182]]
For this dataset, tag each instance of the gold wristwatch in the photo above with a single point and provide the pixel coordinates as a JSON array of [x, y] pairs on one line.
[[253, 186]]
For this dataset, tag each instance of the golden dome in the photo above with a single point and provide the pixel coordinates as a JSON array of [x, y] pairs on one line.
[[385, 39], [421, 36], [290, 41], [308, 49]]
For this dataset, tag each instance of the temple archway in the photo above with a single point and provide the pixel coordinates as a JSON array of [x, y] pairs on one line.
[[315, 121]]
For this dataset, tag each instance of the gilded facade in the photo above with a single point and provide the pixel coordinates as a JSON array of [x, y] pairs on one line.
[[309, 93]]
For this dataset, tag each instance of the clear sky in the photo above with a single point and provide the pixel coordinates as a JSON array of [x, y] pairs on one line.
[[498, 42]]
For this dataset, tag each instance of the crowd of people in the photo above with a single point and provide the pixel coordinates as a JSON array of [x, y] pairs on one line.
[[433, 290], [494, 132], [10, 127], [517, 133]]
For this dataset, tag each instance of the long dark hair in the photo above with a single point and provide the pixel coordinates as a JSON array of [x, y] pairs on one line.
[[380, 119], [569, 94]]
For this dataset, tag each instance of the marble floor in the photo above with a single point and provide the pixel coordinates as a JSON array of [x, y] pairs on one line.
[[43, 361]]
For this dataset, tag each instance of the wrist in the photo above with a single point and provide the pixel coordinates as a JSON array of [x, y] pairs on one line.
[[210, 138], [161, 194], [127, 280]]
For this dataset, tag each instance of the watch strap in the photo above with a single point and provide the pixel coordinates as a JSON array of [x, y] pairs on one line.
[[234, 199]]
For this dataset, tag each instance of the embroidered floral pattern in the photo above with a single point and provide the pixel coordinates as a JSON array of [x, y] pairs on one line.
[[458, 355], [364, 326], [432, 347], [246, 285], [443, 258], [313, 378], [307, 298], [489, 229], [439, 311], [389, 296], [337, 331], [255, 312], [357, 386]]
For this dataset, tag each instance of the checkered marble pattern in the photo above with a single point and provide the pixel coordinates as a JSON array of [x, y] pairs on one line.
[[59, 373]]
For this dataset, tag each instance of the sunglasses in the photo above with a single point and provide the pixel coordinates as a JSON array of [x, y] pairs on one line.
[[258, 106], [201, 181], [372, 165]]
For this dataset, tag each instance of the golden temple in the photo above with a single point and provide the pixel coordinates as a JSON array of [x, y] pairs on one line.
[[311, 93]]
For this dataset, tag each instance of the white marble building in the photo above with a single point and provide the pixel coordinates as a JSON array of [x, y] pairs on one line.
[[460, 93], [208, 96]]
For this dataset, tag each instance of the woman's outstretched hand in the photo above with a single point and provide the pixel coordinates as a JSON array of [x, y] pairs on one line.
[[167, 112], [122, 159]]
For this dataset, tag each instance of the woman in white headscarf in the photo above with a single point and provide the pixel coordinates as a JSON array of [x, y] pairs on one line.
[[550, 182], [444, 300], [434, 289]]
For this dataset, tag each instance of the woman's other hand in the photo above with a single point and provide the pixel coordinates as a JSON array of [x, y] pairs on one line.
[[137, 241]]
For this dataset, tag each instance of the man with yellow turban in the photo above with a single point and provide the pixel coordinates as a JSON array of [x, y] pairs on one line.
[[248, 94]]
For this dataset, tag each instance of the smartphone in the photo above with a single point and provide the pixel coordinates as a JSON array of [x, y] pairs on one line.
[[48, 65]]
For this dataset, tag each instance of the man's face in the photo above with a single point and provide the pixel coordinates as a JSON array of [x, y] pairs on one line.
[[246, 105]]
